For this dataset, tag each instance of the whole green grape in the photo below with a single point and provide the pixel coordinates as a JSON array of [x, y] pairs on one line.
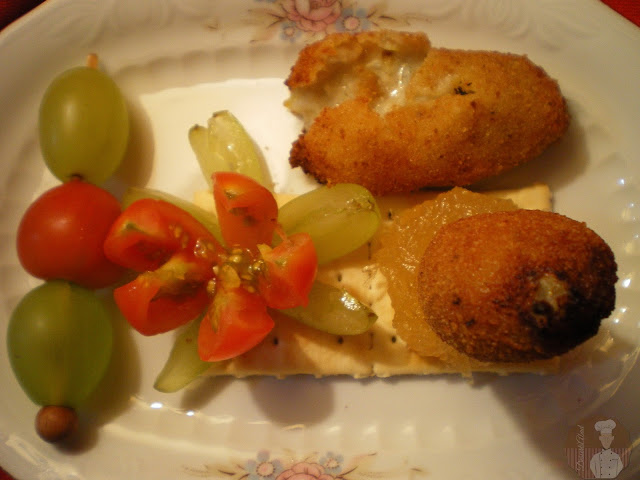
[[59, 341], [83, 125]]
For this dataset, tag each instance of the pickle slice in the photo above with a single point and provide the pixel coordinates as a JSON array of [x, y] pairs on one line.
[[339, 218], [225, 146], [207, 219], [334, 310], [184, 364]]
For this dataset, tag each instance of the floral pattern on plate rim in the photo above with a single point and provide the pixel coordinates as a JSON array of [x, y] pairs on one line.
[[327, 466], [312, 19]]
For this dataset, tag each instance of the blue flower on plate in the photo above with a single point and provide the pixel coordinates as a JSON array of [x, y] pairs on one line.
[[353, 20], [290, 31], [332, 463], [262, 468]]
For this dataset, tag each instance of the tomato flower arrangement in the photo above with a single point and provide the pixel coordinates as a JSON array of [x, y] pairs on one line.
[[184, 270]]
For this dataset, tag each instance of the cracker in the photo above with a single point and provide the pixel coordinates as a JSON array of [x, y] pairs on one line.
[[293, 348]]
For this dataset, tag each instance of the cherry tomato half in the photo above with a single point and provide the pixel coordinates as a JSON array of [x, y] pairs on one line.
[[289, 272], [235, 322], [61, 235], [247, 211], [175, 255]]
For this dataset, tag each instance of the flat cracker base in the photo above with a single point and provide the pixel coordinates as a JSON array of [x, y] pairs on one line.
[[293, 348]]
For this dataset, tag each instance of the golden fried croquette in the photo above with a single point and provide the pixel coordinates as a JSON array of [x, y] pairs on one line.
[[516, 286], [387, 111]]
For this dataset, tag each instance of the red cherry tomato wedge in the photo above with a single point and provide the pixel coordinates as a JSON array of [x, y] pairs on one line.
[[289, 272], [159, 301], [247, 211], [61, 235], [175, 255], [150, 231], [236, 321]]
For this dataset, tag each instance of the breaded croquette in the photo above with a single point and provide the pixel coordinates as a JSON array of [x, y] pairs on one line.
[[516, 286], [387, 111]]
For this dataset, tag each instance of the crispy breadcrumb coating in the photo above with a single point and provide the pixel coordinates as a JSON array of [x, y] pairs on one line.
[[516, 286], [387, 111]]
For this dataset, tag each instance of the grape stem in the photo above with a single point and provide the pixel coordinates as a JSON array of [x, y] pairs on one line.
[[92, 60]]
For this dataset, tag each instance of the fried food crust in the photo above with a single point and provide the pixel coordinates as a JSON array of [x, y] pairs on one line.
[[516, 286], [444, 118], [319, 60]]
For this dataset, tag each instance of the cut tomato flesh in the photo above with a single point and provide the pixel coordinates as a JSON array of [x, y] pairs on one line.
[[289, 273], [236, 321], [247, 211]]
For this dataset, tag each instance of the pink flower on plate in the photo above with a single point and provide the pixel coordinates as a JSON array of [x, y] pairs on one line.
[[305, 471], [312, 15]]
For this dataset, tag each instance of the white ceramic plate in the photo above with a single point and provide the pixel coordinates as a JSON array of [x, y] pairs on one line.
[[177, 61]]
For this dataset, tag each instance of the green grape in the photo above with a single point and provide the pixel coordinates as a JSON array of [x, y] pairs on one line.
[[207, 219], [334, 310], [59, 341], [184, 364], [339, 219], [83, 125], [225, 146]]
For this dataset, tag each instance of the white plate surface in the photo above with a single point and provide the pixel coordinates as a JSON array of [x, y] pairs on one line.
[[177, 61]]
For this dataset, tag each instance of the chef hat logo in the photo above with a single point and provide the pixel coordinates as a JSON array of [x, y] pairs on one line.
[[598, 446], [605, 427]]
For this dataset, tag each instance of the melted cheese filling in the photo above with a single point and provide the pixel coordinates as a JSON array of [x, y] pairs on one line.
[[382, 76]]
